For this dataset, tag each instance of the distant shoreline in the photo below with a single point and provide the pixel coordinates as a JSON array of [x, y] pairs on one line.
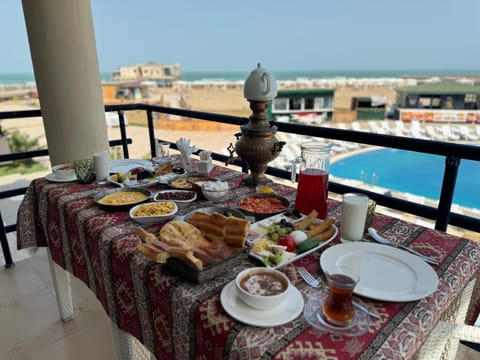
[[293, 75]]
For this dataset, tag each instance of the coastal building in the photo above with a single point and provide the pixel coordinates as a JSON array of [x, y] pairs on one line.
[[438, 101], [162, 75], [308, 106]]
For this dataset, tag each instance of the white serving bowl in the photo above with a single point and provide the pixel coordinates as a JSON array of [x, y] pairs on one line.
[[157, 217], [215, 191], [63, 171], [259, 279], [182, 198]]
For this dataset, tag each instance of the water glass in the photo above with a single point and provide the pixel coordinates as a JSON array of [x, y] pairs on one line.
[[354, 215], [84, 170], [101, 166]]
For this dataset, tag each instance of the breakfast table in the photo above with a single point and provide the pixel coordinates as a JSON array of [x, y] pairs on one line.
[[179, 319]]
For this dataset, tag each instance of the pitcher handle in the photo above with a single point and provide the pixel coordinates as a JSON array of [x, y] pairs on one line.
[[294, 170]]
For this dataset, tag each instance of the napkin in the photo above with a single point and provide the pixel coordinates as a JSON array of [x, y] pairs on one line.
[[186, 151]]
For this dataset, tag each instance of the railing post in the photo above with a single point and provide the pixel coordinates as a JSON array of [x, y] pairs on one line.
[[123, 133], [151, 133], [452, 164], [5, 248]]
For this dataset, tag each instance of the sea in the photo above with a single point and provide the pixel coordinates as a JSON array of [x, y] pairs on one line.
[[29, 79]]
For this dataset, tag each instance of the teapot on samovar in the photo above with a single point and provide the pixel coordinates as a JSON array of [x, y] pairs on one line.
[[256, 144]]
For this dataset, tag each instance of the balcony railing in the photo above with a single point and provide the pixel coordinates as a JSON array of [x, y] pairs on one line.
[[442, 215]]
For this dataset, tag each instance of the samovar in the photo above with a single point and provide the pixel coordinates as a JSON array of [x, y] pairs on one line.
[[256, 144]]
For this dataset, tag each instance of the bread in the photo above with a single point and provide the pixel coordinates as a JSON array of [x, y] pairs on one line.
[[202, 241]]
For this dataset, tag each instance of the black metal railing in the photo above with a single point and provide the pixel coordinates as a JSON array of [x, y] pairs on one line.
[[453, 154]]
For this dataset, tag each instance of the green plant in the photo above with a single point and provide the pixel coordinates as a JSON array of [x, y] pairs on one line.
[[20, 142]]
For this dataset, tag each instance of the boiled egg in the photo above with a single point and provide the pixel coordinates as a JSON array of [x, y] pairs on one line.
[[299, 236]]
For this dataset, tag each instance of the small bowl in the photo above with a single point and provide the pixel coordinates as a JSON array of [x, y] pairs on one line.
[[268, 287], [151, 216], [182, 198], [214, 195], [63, 171]]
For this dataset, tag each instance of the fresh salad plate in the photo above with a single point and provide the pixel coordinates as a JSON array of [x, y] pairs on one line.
[[287, 311], [264, 248], [386, 273], [124, 165]]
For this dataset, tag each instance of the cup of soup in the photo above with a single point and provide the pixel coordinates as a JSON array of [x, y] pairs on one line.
[[262, 288]]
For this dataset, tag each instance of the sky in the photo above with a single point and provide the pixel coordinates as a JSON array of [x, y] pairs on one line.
[[285, 35]]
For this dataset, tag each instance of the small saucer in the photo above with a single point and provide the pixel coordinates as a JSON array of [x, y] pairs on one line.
[[279, 315], [314, 315], [51, 177]]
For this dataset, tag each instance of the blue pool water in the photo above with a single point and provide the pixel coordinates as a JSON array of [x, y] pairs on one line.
[[415, 173]]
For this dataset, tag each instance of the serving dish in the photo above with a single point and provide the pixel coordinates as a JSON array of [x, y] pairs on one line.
[[182, 198], [114, 179], [260, 229], [153, 213], [262, 205], [122, 206], [221, 210], [124, 165]]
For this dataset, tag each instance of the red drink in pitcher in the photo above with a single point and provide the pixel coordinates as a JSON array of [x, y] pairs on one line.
[[312, 192]]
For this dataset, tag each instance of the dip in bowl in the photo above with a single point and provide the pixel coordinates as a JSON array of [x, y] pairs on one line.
[[262, 288]]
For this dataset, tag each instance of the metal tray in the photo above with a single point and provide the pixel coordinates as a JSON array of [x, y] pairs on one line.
[[121, 207]]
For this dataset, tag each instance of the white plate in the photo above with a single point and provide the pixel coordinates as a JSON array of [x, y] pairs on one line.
[[133, 183], [386, 273], [279, 315], [53, 178], [126, 164]]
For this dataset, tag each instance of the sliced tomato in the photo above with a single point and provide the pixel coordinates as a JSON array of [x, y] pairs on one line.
[[288, 241]]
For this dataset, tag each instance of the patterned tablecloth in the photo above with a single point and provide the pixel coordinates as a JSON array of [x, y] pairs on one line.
[[177, 319]]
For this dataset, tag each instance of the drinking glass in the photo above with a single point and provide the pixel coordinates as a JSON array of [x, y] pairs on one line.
[[338, 307], [101, 166], [312, 189], [84, 170], [354, 215], [162, 148]]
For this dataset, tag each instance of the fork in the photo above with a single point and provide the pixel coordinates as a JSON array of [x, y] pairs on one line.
[[310, 280]]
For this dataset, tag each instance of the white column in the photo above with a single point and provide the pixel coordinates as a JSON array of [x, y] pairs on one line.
[[64, 56]]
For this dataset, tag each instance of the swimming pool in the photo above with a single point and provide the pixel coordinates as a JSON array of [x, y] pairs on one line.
[[415, 173]]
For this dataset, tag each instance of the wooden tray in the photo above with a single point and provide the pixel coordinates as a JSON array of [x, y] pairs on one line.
[[182, 270]]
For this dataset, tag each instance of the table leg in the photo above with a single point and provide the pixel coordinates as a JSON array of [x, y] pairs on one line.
[[128, 347], [63, 292]]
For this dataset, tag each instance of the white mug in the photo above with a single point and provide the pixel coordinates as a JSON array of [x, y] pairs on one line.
[[101, 166], [354, 214]]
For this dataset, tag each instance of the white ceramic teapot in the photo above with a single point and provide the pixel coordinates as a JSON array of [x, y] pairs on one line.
[[260, 85]]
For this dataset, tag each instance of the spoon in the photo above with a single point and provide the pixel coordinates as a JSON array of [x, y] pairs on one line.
[[379, 238]]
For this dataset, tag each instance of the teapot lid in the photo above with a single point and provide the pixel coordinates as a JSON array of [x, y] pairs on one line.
[[260, 85]]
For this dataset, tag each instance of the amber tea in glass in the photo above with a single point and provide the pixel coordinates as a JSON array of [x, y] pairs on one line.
[[338, 307]]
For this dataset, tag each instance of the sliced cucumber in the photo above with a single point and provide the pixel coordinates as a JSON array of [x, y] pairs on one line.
[[307, 245]]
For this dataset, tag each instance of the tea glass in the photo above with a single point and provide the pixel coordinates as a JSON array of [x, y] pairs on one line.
[[162, 148], [338, 308], [84, 170]]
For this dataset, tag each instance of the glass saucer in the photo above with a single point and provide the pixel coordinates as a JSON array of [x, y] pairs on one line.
[[314, 315]]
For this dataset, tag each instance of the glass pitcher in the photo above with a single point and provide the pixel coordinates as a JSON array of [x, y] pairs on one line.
[[312, 167]]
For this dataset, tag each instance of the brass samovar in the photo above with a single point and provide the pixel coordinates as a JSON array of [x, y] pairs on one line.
[[256, 144]]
